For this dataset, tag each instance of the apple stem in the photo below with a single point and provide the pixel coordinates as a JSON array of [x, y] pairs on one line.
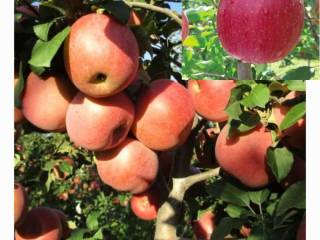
[[154, 8], [244, 71]]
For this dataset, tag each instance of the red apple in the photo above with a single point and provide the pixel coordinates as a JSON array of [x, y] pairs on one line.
[[130, 166], [99, 124], [45, 101], [145, 205], [20, 202], [301, 234], [211, 97], [244, 155], [101, 55], [204, 226], [64, 223], [164, 115], [295, 136], [245, 231], [260, 31], [18, 115], [185, 27], [39, 224]]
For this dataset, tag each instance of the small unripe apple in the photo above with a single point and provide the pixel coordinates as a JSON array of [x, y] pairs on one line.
[[101, 55], [244, 156], [46, 100], [164, 115], [260, 31], [130, 166], [204, 226], [211, 97], [99, 124], [145, 205]]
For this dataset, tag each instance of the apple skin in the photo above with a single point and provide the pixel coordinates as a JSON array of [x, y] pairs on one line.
[[301, 234], [130, 166], [18, 115], [244, 156], [211, 97], [260, 31], [101, 55], [66, 232], [39, 224], [295, 136], [204, 226], [185, 26], [99, 124], [46, 100], [145, 205], [164, 115], [20, 202]]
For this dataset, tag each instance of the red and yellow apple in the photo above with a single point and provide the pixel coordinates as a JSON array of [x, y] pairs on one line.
[[244, 156], [130, 166], [145, 205], [99, 124], [164, 115], [204, 226], [260, 31], [101, 55], [211, 97], [39, 224], [46, 100], [20, 202]]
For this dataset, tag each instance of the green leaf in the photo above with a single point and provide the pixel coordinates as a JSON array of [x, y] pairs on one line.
[[43, 52], [258, 97], [234, 195], [235, 211], [18, 89], [296, 85], [294, 197], [293, 115], [78, 234], [192, 41], [65, 167], [118, 9], [48, 165], [49, 181], [234, 110], [301, 73], [259, 197], [258, 233], [92, 220], [42, 30], [280, 161], [225, 226]]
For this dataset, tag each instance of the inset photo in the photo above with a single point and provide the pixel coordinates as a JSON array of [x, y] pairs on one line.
[[251, 39]]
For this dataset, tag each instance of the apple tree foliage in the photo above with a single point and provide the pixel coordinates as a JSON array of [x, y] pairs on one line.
[[204, 57], [96, 211]]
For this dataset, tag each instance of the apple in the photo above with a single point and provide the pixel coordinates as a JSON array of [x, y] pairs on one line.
[[297, 172], [260, 31], [18, 115], [130, 166], [164, 115], [134, 19], [45, 101], [204, 226], [20, 202], [99, 123], [211, 97], [185, 26], [244, 156], [301, 234], [101, 55], [66, 232], [294, 136], [145, 205], [245, 231], [39, 224]]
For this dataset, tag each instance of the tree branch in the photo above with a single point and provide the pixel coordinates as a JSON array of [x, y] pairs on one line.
[[193, 179], [244, 71], [154, 8]]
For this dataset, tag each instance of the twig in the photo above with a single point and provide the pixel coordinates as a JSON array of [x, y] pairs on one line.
[[154, 8], [313, 30], [244, 71]]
